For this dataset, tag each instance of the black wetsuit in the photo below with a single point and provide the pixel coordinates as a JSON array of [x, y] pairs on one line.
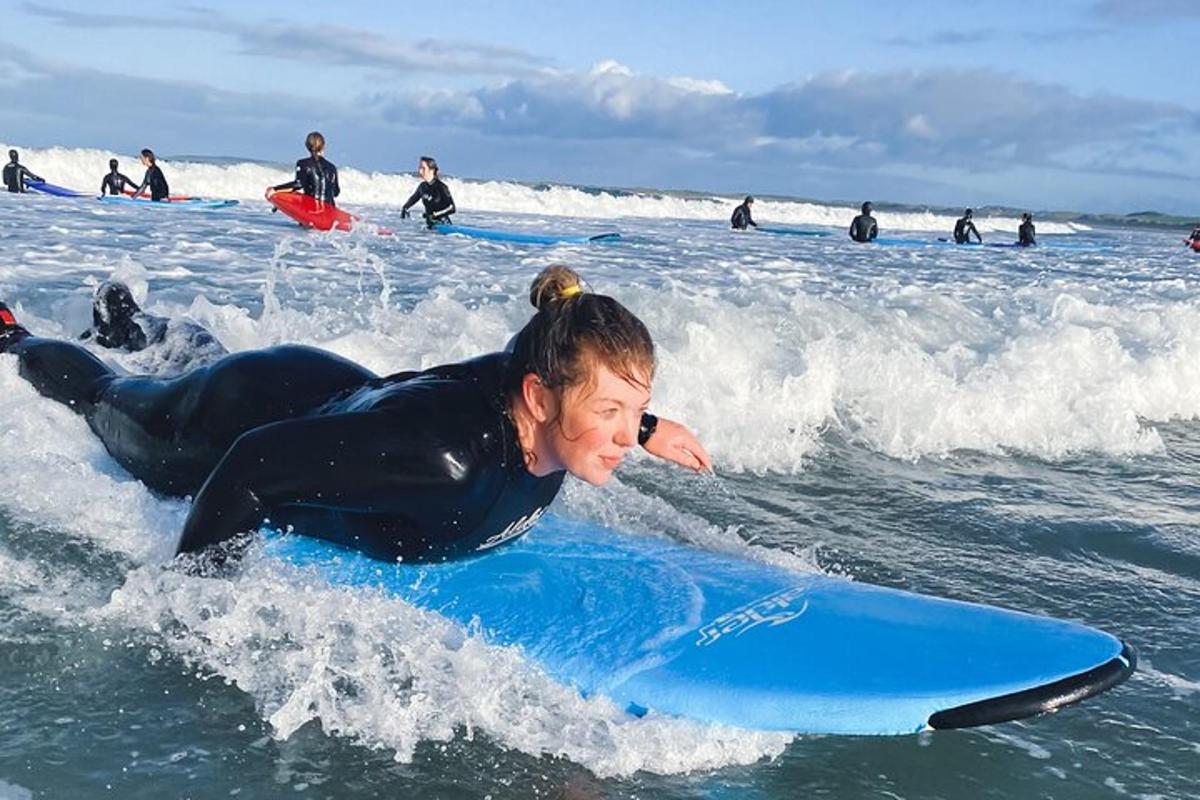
[[741, 218], [157, 183], [15, 176], [439, 205], [316, 177], [416, 465], [1025, 234], [119, 323], [963, 230], [864, 228], [114, 183]]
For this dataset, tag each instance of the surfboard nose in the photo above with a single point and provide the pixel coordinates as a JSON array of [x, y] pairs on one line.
[[1040, 699]]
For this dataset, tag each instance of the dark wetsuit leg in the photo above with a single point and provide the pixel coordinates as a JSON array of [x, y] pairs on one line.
[[171, 433], [62, 371]]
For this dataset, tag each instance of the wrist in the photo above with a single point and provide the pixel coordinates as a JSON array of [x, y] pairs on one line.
[[647, 428]]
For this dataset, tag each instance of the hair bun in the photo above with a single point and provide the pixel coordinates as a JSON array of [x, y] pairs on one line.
[[554, 284]]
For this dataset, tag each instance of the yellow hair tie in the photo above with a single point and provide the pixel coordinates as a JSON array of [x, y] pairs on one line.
[[570, 291]]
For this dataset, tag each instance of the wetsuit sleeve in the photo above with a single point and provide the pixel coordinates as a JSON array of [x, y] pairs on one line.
[[412, 201], [333, 180], [448, 204], [31, 177], [334, 459]]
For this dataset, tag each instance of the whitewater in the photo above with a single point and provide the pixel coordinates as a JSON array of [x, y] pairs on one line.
[[82, 169], [1011, 427]]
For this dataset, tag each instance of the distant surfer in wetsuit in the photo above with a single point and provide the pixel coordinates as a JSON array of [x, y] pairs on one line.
[[1026, 232], [114, 182], [741, 218], [1194, 239], [439, 205], [316, 176], [155, 181], [965, 227], [864, 228], [16, 175], [427, 465]]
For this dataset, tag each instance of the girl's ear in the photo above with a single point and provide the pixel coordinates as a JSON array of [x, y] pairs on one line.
[[541, 401]]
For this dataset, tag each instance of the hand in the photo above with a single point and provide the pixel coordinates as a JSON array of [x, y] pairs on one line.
[[404, 213], [270, 191], [673, 442]]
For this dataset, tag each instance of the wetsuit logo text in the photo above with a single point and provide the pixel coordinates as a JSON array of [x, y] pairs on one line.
[[514, 529]]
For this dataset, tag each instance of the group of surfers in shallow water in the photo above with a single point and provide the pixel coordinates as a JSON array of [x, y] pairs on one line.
[[418, 465], [864, 227], [17, 178], [316, 176]]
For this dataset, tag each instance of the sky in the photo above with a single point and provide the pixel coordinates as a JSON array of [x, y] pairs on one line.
[[1083, 104]]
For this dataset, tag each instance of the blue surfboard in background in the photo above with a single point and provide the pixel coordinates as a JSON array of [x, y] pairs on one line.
[[191, 202], [518, 237], [50, 188], [654, 625], [792, 231]]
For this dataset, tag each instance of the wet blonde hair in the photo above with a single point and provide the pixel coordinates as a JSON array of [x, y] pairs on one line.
[[314, 142]]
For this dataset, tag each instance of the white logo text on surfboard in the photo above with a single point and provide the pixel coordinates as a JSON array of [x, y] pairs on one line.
[[774, 609], [514, 529]]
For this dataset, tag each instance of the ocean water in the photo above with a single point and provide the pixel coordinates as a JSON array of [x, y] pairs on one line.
[[1014, 428]]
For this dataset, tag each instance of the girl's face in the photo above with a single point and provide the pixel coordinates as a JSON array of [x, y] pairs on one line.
[[424, 171], [598, 423]]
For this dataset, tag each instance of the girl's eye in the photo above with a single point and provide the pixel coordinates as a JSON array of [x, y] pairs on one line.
[[608, 413]]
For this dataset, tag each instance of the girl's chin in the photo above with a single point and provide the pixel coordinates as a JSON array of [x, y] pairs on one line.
[[597, 477]]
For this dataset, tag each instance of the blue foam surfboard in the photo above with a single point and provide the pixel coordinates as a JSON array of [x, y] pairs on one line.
[[1081, 247], [658, 626], [792, 231], [517, 237], [50, 188], [192, 203]]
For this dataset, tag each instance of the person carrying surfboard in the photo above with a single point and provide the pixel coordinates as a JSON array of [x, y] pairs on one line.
[[16, 175], [439, 205], [863, 228], [316, 175], [965, 227], [741, 218], [154, 180], [427, 465], [114, 182]]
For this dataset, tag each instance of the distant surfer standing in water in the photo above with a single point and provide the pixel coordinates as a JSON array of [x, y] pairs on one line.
[[965, 227], [316, 176], [741, 218], [434, 194], [1026, 233], [114, 182], [154, 180], [427, 465], [864, 228], [16, 174]]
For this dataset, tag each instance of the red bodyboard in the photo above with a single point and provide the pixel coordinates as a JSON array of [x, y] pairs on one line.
[[310, 212]]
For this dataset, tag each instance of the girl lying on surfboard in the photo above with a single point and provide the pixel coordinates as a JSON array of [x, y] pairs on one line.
[[427, 465]]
